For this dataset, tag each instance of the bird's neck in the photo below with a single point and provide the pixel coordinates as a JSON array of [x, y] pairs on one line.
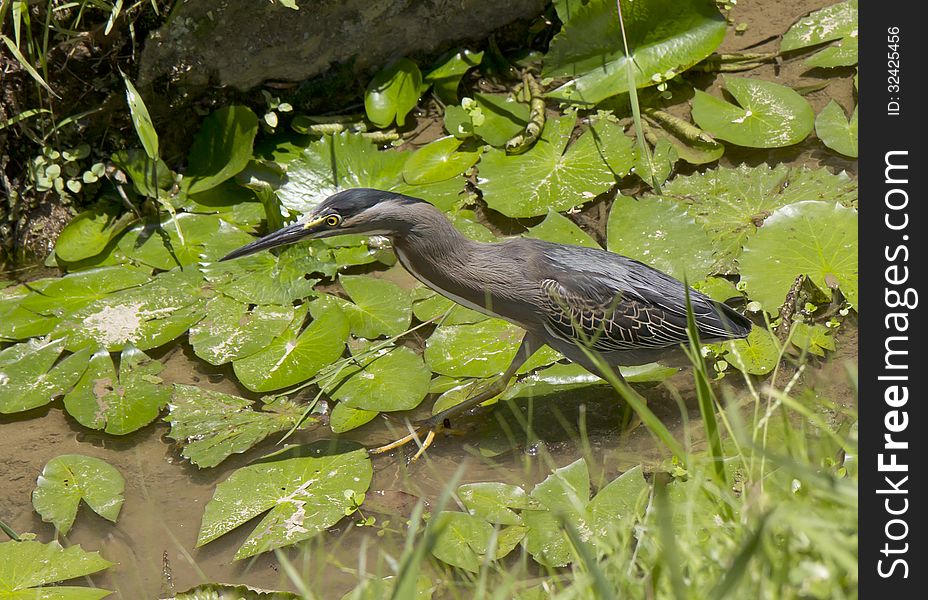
[[438, 255]]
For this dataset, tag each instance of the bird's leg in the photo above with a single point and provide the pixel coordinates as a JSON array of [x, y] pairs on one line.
[[630, 419], [528, 347]]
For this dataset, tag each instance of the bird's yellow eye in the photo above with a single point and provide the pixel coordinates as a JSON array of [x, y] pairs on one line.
[[333, 220]]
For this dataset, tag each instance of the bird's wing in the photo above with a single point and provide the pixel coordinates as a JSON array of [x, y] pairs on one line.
[[616, 303]]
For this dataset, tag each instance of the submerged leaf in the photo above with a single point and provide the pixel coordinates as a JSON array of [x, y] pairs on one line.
[[28, 567], [816, 239], [213, 425], [305, 495], [118, 404], [70, 478], [768, 115], [666, 37]]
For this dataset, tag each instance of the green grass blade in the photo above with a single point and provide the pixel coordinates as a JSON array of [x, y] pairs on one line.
[[24, 63]]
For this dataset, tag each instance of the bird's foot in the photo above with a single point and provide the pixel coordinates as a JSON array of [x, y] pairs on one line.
[[423, 434]]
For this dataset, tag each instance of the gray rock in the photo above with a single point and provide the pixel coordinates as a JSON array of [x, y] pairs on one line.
[[241, 43]]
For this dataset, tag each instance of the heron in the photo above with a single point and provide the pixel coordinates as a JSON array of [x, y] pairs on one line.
[[597, 308]]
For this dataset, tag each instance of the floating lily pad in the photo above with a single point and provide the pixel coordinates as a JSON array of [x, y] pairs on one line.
[[32, 376], [305, 495], [494, 502], [389, 380], [378, 307], [757, 354], [666, 37], [28, 567], [552, 176], [294, 356], [18, 323], [430, 305], [659, 233], [768, 115], [263, 279], [558, 228], [344, 418], [480, 350], [837, 131], [66, 294], [825, 25], [841, 54], [464, 541], [337, 162], [213, 425], [70, 478], [816, 239], [438, 161], [231, 330], [392, 93], [221, 148], [118, 404], [732, 203], [145, 316]]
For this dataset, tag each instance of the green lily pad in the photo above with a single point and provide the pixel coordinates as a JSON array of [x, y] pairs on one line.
[[344, 418], [446, 76], [816, 239], [558, 228], [378, 307], [145, 316], [731, 203], [70, 478], [118, 404], [221, 148], [31, 375], [768, 115], [841, 54], [663, 157], [28, 567], [661, 234], [294, 356], [213, 426], [389, 380], [66, 294], [815, 339], [205, 238], [337, 162], [481, 350], [438, 161], [757, 354], [446, 195], [430, 305], [836, 131], [548, 177], [305, 495], [231, 330], [465, 540], [827, 24], [88, 233], [263, 279], [494, 502], [666, 37], [562, 378], [392, 93]]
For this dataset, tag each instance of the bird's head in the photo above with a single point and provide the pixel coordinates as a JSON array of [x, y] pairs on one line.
[[358, 210]]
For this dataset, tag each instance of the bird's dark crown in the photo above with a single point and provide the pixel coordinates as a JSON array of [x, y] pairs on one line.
[[351, 202]]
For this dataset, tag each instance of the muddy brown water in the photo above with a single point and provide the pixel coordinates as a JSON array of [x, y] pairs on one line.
[[166, 495]]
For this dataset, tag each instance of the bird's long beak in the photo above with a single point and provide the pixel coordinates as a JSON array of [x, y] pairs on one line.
[[286, 235]]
